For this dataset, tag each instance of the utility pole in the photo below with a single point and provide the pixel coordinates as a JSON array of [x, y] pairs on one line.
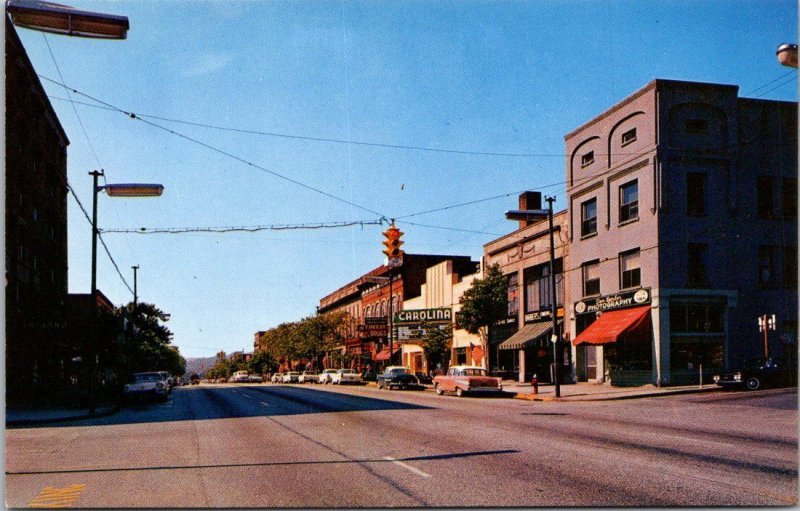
[[554, 310], [135, 288]]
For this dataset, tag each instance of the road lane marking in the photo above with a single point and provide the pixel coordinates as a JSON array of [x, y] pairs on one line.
[[263, 403], [51, 497], [407, 467]]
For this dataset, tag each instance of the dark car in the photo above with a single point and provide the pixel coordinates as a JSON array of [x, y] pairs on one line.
[[757, 373], [398, 377]]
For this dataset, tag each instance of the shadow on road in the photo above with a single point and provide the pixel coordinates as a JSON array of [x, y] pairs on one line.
[[207, 403], [273, 463]]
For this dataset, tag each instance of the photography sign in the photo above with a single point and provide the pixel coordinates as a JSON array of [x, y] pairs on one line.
[[412, 324], [615, 301]]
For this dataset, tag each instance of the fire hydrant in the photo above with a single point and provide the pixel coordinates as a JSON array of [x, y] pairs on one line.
[[535, 382]]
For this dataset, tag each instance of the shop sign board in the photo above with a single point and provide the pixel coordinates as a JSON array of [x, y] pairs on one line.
[[416, 316], [616, 301], [411, 332], [533, 317]]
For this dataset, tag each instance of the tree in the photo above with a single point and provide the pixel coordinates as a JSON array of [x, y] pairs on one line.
[[436, 343], [484, 304], [262, 362], [148, 343]]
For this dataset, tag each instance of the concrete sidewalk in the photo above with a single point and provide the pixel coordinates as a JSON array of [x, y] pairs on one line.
[[34, 416], [583, 391]]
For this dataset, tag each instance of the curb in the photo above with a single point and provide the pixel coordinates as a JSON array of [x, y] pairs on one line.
[[536, 397], [37, 422]]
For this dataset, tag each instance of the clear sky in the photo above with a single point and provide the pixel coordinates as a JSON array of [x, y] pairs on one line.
[[257, 113]]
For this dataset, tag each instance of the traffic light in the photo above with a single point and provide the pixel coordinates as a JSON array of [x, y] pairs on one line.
[[393, 242]]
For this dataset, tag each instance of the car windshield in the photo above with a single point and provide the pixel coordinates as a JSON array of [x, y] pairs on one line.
[[348, 371], [292, 374], [474, 372], [310, 373], [146, 377], [399, 370]]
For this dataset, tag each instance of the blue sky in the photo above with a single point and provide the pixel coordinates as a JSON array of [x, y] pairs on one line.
[[487, 90]]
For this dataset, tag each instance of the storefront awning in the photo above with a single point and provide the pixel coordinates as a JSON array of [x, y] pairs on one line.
[[528, 335], [612, 324], [384, 354]]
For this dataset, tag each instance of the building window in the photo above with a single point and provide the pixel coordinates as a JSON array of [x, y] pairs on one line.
[[789, 197], [696, 126], [591, 278], [589, 218], [765, 200], [767, 266], [697, 255], [629, 137], [696, 335], [790, 266], [587, 159], [629, 202], [513, 295], [630, 273], [695, 194], [538, 292]]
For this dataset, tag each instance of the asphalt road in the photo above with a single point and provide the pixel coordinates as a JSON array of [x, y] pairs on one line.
[[317, 446]]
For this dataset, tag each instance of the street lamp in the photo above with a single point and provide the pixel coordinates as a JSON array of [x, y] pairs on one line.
[[113, 190], [787, 55], [66, 20], [541, 214]]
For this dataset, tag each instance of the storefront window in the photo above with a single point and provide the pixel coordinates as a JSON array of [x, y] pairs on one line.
[[697, 335]]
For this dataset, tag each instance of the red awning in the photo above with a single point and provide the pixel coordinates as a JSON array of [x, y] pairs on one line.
[[610, 325], [384, 354]]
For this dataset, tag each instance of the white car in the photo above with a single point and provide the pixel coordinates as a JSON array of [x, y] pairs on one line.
[[146, 385], [346, 376], [291, 377], [326, 376], [277, 378], [241, 377], [308, 377]]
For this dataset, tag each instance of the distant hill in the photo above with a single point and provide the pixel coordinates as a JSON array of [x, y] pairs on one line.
[[199, 365]]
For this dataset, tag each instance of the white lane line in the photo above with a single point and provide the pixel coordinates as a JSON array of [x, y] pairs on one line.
[[263, 403], [407, 467]]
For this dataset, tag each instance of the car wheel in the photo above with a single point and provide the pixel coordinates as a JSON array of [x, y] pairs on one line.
[[753, 383], [459, 391], [438, 389], [380, 385]]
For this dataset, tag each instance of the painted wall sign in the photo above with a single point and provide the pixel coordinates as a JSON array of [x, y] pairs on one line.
[[441, 315]]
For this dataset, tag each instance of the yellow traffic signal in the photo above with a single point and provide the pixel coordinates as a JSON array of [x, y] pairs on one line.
[[393, 242]]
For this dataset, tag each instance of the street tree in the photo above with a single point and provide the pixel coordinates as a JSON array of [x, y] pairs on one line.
[[436, 344], [484, 304], [148, 342]]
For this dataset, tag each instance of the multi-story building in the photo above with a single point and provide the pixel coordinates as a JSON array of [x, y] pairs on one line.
[[368, 302], [682, 232], [39, 352], [520, 346], [436, 307]]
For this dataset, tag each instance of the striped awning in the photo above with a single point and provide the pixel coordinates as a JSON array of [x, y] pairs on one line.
[[528, 336]]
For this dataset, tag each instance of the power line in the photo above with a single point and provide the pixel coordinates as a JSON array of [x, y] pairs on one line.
[[255, 228], [220, 151]]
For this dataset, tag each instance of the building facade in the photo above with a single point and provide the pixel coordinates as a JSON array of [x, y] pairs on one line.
[[39, 351], [682, 232], [520, 347]]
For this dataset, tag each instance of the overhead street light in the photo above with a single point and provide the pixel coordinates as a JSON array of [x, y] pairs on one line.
[[541, 214], [66, 20], [787, 55], [113, 190]]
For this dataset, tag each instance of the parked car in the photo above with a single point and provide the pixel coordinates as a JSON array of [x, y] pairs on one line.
[[463, 379], [240, 377], [346, 376], [146, 385], [424, 378], [398, 377], [326, 376], [291, 377], [255, 378], [277, 378], [758, 373], [308, 377], [170, 381]]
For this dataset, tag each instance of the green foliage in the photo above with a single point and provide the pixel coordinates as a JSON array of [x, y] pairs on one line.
[[436, 344], [485, 303], [262, 363], [148, 345], [307, 339]]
